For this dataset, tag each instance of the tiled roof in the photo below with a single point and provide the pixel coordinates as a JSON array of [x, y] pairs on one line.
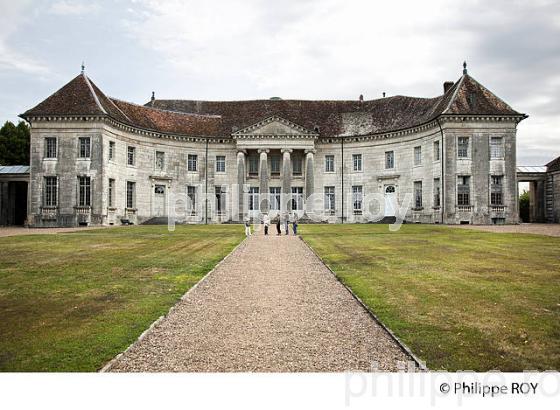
[[168, 121], [221, 118], [473, 98], [75, 98], [14, 169], [331, 117]]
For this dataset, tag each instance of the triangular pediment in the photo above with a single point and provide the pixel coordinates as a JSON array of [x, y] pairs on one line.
[[275, 126]]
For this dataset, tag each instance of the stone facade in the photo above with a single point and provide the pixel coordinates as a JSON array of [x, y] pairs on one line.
[[552, 191], [133, 170]]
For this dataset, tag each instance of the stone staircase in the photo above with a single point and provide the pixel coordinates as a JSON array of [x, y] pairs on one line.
[[158, 220]]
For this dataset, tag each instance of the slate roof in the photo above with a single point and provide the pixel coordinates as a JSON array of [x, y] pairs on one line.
[[221, 118], [531, 169], [14, 169]]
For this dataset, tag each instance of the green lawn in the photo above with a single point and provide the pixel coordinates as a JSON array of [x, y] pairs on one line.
[[460, 299], [70, 302]]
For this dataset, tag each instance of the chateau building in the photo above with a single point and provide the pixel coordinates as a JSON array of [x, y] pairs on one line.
[[100, 160]]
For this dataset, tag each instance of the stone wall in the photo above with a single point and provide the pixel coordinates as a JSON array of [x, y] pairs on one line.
[[555, 176]]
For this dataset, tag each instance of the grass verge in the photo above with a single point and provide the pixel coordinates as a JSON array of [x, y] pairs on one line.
[[71, 302], [460, 299]]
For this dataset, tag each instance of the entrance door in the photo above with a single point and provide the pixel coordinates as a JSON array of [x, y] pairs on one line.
[[160, 208], [390, 200]]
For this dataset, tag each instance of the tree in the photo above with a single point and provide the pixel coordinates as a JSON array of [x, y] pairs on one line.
[[524, 204], [14, 144]]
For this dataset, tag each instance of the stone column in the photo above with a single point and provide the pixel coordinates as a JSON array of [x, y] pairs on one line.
[[241, 173], [309, 170], [286, 179], [263, 179]]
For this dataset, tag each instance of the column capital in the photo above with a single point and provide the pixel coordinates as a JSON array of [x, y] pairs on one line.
[[286, 150], [263, 150], [310, 151], [241, 151]]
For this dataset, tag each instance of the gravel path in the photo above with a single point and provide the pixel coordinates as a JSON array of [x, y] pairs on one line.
[[19, 230], [539, 229], [271, 306]]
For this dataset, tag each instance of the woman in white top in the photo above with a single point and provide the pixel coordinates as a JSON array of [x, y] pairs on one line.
[[266, 222]]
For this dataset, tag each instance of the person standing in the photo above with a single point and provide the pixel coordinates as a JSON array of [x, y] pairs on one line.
[[247, 227], [266, 222], [287, 224], [295, 225], [278, 230]]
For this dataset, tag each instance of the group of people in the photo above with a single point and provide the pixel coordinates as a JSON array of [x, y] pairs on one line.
[[278, 222]]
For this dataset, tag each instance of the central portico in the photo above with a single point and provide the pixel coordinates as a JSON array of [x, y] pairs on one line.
[[276, 156]]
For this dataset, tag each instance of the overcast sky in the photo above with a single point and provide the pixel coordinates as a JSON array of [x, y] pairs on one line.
[[307, 49]]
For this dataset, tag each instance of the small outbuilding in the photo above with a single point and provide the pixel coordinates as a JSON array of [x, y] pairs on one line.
[[14, 182], [553, 190]]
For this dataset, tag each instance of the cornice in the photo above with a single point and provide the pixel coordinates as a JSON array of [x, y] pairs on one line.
[[306, 134], [132, 129]]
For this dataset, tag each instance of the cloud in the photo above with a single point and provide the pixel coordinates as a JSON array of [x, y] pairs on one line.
[[336, 49], [11, 59], [309, 49], [279, 47], [73, 8]]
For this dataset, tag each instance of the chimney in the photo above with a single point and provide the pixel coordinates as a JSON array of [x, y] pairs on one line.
[[447, 85]]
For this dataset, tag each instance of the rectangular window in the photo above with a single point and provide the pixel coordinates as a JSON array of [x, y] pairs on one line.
[[131, 156], [418, 194], [329, 163], [297, 164], [192, 162], [253, 198], [84, 192], [297, 198], [220, 163], [463, 147], [357, 198], [220, 199], [437, 193], [357, 162], [111, 193], [389, 160], [50, 147], [496, 190], [111, 150], [329, 199], [417, 155], [130, 194], [463, 190], [496, 148], [275, 198], [253, 165], [436, 150], [51, 191], [84, 147], [275, 165], [160, 160], [191, 194]]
